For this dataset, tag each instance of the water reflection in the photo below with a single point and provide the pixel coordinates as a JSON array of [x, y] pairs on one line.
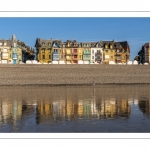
[[25, 107]]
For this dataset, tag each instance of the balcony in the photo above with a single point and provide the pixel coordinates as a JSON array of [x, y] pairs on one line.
[[68, 58], [55, 57], [14, 56], [118, 53], [68, 53], [75, 58], [118, 59], [75, 51], [98, 53], [86, 57]]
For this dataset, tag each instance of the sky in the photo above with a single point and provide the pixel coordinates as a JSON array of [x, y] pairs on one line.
[[134, 30]]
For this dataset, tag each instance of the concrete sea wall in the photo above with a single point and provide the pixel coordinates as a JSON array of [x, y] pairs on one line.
[[73, 74]]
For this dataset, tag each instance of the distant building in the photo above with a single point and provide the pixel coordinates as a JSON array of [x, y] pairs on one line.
[[48, 50], [86, 46], [119, 52], [96, 52], [5, 51], [13, 51], [144, 54]]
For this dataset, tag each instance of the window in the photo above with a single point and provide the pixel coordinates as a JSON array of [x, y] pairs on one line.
[[106, 51], [43, 56], [111, 57], [75, 56], [49, 44], [49, 56], [98, 51], [92, 57], [75, 50], [5, 50], [43, 44], [92, 51], [118, 57], [123, 57]]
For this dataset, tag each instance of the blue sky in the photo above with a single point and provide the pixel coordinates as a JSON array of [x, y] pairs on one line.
[[134, 30]]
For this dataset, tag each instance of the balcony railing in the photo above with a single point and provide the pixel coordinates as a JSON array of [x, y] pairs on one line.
[[118, 53], [75, 58], [68, 53], [75, 53], [68, 58]]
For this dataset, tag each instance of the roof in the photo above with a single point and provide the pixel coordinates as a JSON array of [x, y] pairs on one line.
[[47, 42], [8, 42]]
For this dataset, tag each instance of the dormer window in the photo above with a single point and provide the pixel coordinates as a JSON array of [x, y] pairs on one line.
[[111, 46], [43, 44], [106, 46], [49, 44], [4, 43]]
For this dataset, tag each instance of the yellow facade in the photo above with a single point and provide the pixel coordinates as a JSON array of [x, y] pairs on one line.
[[45, 55], [108, 54], [80, 54]]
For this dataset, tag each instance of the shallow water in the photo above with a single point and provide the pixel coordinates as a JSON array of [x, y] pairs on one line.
[[104, 108]]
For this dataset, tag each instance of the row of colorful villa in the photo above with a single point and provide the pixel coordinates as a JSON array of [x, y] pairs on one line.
[[73, 52], [70, 52]]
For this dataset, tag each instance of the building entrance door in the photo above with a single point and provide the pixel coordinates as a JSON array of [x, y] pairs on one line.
[[14, 61]]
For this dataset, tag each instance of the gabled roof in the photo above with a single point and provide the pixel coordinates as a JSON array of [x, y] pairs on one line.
[[8, 42]]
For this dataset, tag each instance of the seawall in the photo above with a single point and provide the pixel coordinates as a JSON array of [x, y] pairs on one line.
[[73, 74]]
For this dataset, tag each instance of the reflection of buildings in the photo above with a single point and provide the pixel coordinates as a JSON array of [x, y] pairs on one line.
[[144, 105], [12, 111], [94, 107], [72, 107], [43, 112], [124, 108], [108, 108], [112, 108]]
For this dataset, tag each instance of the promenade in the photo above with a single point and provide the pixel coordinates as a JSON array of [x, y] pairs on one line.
[[73, 74]]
